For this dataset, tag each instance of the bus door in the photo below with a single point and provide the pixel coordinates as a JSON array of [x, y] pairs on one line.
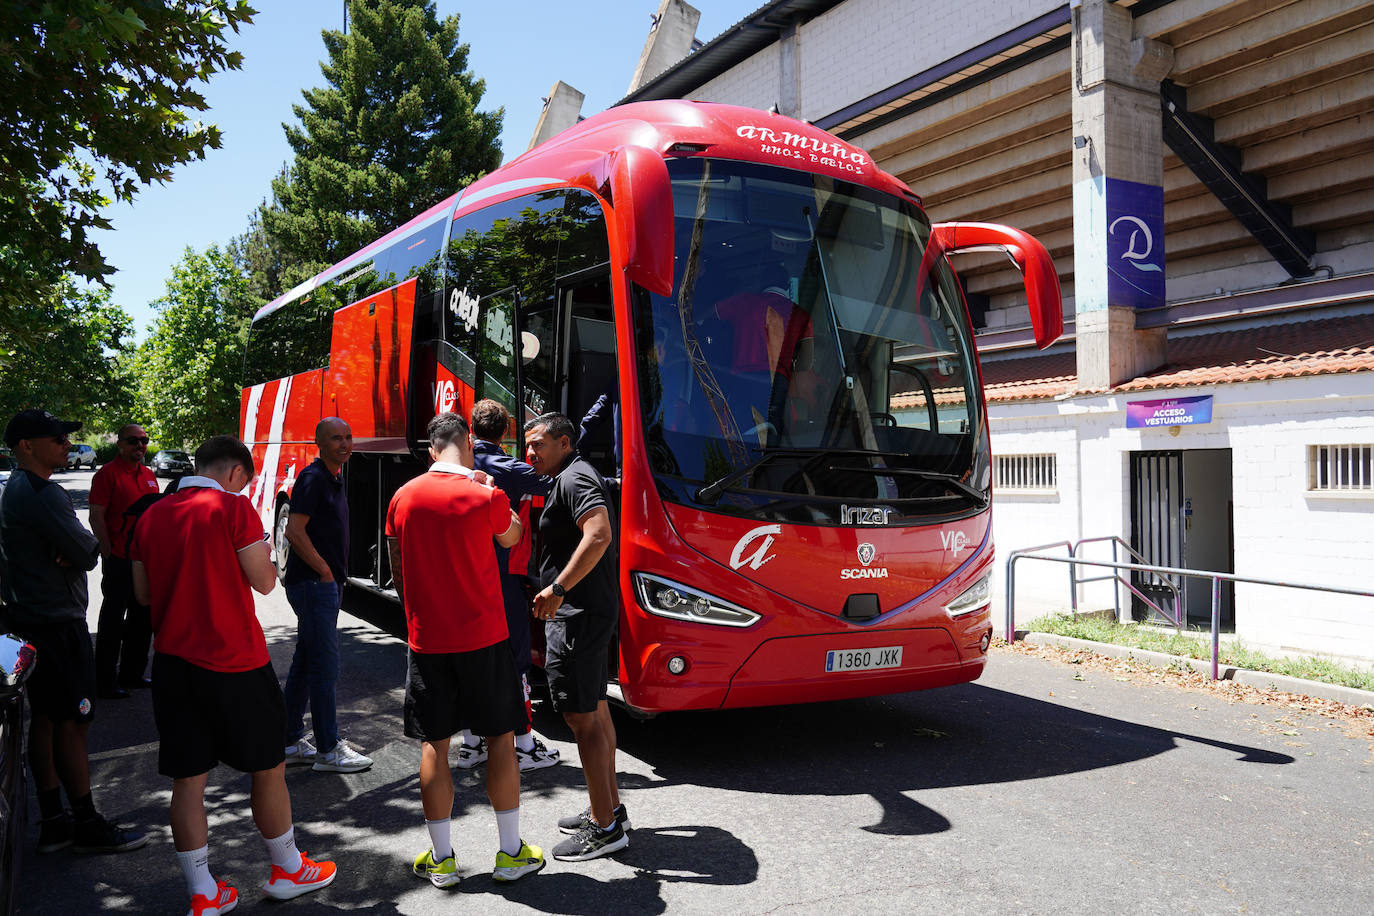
[[590, 391]]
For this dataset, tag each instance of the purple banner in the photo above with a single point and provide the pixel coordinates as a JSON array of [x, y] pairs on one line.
[[1135, 244], [1169, 412]]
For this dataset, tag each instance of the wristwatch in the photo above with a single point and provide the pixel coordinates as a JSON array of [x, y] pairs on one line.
[[559, 590]]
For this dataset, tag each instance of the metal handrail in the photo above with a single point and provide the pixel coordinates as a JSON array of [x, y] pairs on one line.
[[1216, 577], [1177, 618]]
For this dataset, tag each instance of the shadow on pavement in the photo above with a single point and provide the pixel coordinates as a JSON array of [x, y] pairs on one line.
[[887, 748]]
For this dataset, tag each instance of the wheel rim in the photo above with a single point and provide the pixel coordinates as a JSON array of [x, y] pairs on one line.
[[283, 547]]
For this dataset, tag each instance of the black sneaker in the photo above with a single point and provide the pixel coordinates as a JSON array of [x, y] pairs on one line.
[[575, 822], [55, 833], [590, 842], [100, 835]]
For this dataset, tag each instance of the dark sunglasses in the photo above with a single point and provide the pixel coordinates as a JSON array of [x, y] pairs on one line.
[[136, 440]]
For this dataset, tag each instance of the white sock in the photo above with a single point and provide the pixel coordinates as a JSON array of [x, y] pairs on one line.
[[195, 866], [508, 828], [283, 852], [439, 838], [525, 742], [469, 740]]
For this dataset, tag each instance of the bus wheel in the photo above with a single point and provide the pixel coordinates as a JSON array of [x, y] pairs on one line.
[[283, 547]]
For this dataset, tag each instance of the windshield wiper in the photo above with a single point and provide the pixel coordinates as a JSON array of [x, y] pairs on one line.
[[710, 494], [949, 480]]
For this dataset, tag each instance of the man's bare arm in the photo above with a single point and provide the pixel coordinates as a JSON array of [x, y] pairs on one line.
[[256, 562], [393, 549], [305, 548]]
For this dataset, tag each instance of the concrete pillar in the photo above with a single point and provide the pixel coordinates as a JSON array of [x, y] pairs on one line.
[[1118, 195], [562, 109], [789, 71], [670, 40]]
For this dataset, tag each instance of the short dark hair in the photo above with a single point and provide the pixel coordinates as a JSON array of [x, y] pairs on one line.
[[556, 425], [445, 429], [217, 451], [490, 420]]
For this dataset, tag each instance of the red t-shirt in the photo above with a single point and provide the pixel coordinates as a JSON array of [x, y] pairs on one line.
[[117, 486], [449, 578], [202, 604], [768, 328]]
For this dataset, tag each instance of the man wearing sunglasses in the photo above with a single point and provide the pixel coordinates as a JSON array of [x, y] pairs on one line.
[[45, 554], [124, 631]]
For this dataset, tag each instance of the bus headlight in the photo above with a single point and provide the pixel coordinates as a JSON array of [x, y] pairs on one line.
[[976, 596], [667, 598]]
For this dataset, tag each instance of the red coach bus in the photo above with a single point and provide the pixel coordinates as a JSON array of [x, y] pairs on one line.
[[799, 428]]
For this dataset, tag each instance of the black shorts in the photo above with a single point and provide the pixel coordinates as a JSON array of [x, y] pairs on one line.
[[207, 717], [577, 659], [450, 691], [62, 686]]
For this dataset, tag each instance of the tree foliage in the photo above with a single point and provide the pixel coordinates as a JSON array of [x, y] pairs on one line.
[[395, 130], [61, 352], [188, 369], [96, 98]]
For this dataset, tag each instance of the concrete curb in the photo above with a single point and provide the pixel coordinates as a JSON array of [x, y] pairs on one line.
[[1259, 679]]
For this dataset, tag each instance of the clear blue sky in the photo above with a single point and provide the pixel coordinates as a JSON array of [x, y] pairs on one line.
[[520, 48]]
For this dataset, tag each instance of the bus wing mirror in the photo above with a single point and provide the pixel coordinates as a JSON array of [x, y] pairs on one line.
[[642, 201], [1031, 258]]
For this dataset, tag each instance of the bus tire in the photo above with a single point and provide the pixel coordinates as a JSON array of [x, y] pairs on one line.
[[281, 547]]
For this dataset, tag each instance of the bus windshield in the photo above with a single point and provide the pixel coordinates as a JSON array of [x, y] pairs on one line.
[[810, 354]]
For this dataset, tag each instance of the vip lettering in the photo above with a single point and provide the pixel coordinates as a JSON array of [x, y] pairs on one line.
[[863, 515], [954, 541]]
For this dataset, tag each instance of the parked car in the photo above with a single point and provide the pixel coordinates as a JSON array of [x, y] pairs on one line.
[[16, 661], [6, 465], [79, 455], [171, 463]]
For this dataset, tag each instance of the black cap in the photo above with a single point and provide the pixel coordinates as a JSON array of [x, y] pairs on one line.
[[35, 424]]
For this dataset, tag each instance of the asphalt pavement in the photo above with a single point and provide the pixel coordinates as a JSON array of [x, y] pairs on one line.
[[1037, 789]]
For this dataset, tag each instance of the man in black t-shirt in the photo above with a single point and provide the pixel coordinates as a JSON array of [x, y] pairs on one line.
[[317, 530], [577, 602]]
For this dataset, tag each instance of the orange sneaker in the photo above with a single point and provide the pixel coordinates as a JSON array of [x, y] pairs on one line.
[[311, 877], [225, 899]]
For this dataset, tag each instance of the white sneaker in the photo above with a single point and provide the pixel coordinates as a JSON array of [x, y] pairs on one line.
[[537, 757], [300, 753], [469, 755], [343, 759]]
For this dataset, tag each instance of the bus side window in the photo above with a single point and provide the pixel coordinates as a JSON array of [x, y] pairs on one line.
[[292, 339]]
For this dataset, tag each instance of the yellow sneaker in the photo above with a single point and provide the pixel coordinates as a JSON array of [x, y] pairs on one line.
[[440, 874], [512, 868]]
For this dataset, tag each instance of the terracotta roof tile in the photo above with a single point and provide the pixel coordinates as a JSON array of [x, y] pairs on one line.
[[1320, 347]]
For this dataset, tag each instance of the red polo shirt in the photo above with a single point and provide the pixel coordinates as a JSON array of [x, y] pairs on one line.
[[202, 604], [117, 486], [450, 582]]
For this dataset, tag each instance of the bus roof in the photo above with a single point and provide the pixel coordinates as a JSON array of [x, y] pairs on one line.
[[671, 128]]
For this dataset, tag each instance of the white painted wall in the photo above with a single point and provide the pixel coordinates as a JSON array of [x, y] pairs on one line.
[[1282, 531], [864, 46]]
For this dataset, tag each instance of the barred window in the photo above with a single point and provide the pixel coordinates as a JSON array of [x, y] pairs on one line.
[[1025, 472], [1340, 467]]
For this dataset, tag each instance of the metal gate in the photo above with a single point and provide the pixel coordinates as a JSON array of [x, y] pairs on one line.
[[1157, 527]]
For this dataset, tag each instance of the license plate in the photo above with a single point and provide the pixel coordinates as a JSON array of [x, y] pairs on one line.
[[863, 659]]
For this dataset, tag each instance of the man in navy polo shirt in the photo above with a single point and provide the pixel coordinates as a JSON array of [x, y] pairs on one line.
[[317, 531]]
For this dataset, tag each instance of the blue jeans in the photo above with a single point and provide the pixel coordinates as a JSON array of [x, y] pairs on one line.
[[315, 666]]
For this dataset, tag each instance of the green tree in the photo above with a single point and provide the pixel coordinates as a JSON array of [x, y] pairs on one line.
[[259, 255], [188, 369], [96, 98], [395, 131], [61, 351]]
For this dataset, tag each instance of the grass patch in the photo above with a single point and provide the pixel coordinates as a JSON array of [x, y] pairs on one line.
[[1232, 652]]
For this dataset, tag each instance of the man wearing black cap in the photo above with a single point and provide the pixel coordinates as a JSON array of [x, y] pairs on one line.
[[45, 554]]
